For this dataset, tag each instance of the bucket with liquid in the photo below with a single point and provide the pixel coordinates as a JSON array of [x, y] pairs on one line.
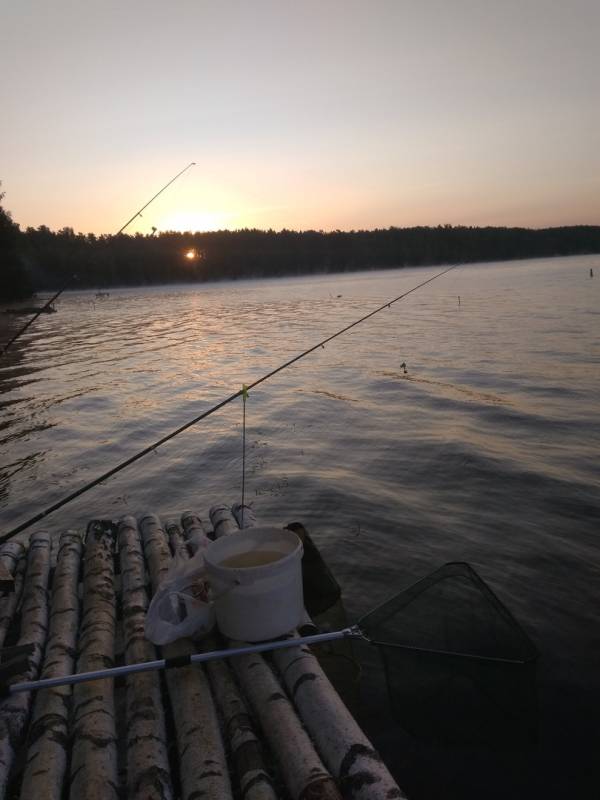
[[256, 582]]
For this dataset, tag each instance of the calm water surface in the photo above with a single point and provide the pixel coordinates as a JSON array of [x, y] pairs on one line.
[[485, 451]]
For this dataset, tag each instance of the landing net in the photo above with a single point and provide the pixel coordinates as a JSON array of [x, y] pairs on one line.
[[459, 667]]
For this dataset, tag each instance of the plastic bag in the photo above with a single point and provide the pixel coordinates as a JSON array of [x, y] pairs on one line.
[[181, 606]]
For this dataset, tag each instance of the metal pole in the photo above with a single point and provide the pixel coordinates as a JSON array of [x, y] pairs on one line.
[[184, 661]]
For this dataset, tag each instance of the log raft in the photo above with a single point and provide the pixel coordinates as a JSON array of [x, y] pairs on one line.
[[256, 727]]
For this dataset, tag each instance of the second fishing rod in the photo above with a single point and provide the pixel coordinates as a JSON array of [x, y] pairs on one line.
[[242, 392]]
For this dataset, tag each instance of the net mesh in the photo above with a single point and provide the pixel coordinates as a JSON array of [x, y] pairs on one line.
[[459, 667]]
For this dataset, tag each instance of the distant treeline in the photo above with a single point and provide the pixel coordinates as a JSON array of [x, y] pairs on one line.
[[41, 259]]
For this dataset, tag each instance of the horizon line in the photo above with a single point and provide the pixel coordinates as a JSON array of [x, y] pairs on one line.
[[321, 231]]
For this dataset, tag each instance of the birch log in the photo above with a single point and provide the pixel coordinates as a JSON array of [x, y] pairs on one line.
[[148, 773], [195, 531], [7, 580], [13, 556], [48, 736], [94, 763], [203, 767], [244, 515], [222, 520], [14, 710], [179, 546], [302, 769], [254, 780], [10, 555], [345, 749]]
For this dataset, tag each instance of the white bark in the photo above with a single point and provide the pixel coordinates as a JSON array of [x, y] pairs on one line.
[[15, 709], [13, 556], [203, 767], [195, 531], [148, 772], [94, 763], [302, 770], [10, 555], [244, 515], [179, 546], [345, 749], [222, 520], [246, 750], [48, 736]]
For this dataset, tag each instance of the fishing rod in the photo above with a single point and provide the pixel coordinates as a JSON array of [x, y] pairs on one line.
[[240, 393], [73, 277], [36, 315], [166, 186]]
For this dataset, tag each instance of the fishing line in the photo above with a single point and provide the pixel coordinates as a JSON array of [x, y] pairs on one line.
[[86, 488], [73, 277]]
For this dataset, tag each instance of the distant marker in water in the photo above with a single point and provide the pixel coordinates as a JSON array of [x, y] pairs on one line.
[[591, 273], [403, 366], [458, 299]]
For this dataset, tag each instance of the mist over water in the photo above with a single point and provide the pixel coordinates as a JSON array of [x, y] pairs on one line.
[[486, 450]]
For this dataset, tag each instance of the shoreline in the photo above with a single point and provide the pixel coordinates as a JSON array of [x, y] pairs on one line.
[[329, 273]]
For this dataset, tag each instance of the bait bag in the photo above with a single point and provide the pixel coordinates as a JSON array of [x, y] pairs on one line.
[[181, 606]]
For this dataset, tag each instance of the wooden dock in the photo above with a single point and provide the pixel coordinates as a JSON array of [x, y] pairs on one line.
[[252, 727]]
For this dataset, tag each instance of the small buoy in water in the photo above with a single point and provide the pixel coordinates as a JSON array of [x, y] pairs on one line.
[[403, 366], [591, 273], [458, 299]]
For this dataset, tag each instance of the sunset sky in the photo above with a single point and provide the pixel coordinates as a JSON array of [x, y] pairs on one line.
[[329, 114]]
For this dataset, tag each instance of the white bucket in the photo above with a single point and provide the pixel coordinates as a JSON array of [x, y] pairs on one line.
[[257, 602]]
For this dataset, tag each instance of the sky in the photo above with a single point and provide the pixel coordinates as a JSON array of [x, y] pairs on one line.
[[327, 115]]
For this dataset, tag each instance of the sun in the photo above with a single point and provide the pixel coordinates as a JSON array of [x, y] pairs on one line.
[[191, 254]]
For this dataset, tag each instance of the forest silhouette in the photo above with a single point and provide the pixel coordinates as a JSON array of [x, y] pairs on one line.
[[39, 259]]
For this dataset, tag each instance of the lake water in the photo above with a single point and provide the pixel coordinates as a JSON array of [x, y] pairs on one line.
[[485, 451]]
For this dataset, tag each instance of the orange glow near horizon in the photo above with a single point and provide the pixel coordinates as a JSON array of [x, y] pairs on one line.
[[192, 221], [191, 254]]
